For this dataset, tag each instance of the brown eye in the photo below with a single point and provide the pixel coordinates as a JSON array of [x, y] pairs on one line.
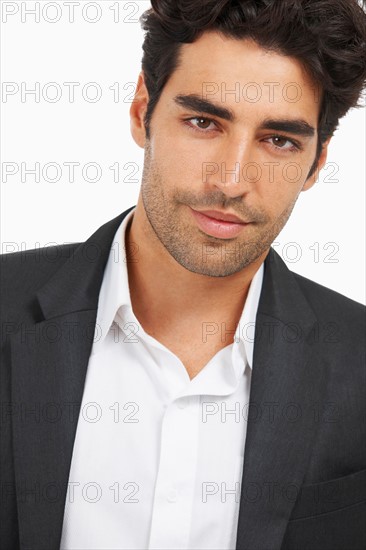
[[282, 143], [204, 123], [201, 124], [279, 141]]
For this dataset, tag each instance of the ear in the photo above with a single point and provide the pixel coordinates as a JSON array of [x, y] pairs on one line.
[[321, 162], [138, 110]]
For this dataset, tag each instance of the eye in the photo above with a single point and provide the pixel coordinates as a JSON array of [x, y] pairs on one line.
[[284, 144], [203, 123]]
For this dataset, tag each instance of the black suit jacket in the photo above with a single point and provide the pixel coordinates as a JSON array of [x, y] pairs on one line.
[[303, 484]]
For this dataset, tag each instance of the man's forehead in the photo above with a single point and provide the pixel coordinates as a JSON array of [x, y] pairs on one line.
[[231, 72], [213, 52]]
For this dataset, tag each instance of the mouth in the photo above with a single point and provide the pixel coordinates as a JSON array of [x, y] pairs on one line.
[[221, 216], [227, 228]]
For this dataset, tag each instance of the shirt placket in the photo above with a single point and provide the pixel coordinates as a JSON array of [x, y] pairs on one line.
[[175, 484]]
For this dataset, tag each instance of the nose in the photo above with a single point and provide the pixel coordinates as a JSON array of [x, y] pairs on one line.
[[235, 170]]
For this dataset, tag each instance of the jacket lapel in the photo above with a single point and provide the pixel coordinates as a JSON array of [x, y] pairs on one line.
[[287, 384], [49, 363]]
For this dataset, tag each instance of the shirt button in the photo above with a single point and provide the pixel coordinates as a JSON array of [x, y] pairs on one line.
[[182, 403], [172, 496]]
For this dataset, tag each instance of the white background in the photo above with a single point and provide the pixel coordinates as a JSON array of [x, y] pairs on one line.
[[328, 219]]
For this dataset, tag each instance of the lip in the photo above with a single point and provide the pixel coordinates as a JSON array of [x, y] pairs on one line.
[[221, 216], [222, 229]]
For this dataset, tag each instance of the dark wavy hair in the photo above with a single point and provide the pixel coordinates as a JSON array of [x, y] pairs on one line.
[[328, 37]]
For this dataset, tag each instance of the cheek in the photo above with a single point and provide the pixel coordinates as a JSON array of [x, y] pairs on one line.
[[282, 180], [275, 195], [180, 161]]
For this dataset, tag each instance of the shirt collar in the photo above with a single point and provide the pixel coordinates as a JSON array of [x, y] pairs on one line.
[[115, 292]]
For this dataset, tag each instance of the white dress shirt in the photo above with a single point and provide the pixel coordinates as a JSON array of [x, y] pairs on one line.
[[157, 459]]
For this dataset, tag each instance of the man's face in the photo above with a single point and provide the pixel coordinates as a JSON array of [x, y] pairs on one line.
[[253, 166]]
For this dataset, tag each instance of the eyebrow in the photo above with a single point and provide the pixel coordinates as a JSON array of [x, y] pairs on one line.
[[197, 104], [292, 126]]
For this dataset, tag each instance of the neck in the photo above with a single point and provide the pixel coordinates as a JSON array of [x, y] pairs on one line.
[[161, 286]]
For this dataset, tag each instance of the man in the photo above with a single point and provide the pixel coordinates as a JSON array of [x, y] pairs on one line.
[[138, 409]]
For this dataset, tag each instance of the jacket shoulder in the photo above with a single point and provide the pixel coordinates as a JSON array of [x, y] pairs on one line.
[[22, 273], [327, 298], [332, 306]]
